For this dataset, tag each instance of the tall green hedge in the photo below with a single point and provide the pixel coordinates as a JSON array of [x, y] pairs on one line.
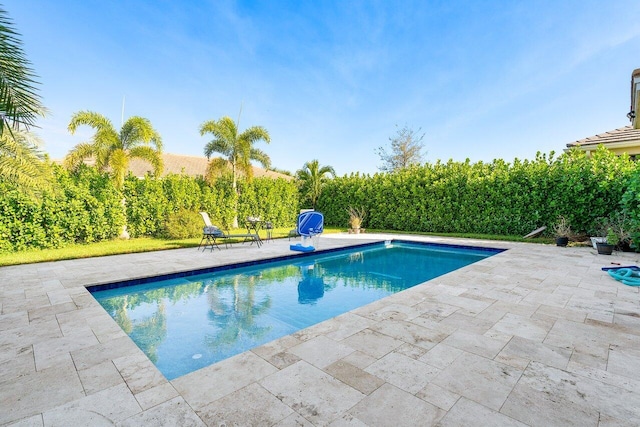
[[150, 201], [490, 198], [274, 200], [81, 207], [84, 207]]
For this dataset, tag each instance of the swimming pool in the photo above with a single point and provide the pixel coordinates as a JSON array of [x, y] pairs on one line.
[[190, 320]]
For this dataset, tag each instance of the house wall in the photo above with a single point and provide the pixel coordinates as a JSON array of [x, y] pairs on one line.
[[632, 148], [635, 97]]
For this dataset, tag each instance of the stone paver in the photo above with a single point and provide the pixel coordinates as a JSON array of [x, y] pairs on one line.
[[535, 336], [390, 406], [312, 393]]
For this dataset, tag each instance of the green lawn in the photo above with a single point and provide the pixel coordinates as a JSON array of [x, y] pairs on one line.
[[147, 244], [114, 247]]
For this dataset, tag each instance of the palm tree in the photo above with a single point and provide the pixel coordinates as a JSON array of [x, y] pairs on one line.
[[312, 178], [237, 148], [112, 151], [19, 101]]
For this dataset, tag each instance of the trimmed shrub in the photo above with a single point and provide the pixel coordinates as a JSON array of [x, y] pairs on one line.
[[183, 224]]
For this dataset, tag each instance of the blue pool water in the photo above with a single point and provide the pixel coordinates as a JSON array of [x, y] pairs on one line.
[[186, 323]]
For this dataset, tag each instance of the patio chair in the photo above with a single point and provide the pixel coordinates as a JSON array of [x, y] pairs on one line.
[[210, 233]]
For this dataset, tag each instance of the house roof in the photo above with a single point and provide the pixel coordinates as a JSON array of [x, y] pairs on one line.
[[192, 166], [614, 138], [184, 164]]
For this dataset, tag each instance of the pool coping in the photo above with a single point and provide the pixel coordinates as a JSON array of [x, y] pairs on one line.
[[225, 267]]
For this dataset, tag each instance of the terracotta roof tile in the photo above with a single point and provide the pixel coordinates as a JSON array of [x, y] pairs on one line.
[[625, 134], [184, 164]]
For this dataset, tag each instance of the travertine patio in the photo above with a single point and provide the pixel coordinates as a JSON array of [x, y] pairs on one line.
[[537, 335]]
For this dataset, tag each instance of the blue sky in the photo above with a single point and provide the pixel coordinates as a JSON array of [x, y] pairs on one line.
[[330, 80]]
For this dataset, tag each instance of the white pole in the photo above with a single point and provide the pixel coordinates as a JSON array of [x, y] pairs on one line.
[[122, 114]]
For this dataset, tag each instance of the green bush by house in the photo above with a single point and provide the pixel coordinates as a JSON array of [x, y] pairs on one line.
[[631, 207]]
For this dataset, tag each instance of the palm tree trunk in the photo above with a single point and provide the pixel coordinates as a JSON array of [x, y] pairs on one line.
[[124, 234], [235, 191]]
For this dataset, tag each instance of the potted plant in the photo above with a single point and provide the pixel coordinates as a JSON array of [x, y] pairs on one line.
[[356, 216], [607, 248], [562, 231], [621, 228], [602, 227]]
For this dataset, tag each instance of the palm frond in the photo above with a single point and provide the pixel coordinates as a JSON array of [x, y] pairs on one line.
[[78, 155], [20, 102], [243, 164], [218, 146], [327, 170], [217, 168], [224, 129], [151, 155], [104, 141], [92, 119], [224, 140], [255, 134], [21, 162], [138, 130], [228, 127], [261, 157], [248, 152], [302, 175], [102, 152]]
